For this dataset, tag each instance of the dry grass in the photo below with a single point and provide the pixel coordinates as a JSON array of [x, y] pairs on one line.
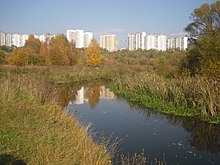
[[35, 129]]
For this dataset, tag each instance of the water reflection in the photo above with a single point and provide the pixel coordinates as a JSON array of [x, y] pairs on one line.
[[146, 128], [203, 136], [92, 93]]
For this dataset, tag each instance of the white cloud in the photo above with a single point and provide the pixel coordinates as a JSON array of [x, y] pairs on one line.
[[117, 30]]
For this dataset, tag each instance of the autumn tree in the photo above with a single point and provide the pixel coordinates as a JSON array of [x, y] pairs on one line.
[[93, 54], [75, 56], [2, 57], [21, 56], [205, 19], [59, 50], [34, 43]]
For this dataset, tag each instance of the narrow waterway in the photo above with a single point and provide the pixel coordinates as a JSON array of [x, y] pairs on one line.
[[175, 140]]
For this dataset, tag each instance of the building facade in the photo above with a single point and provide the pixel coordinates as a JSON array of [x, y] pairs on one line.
[[151, 42], [161, 42], [19, 40], [88, 36], [157, 42], [76, 36], [108, 42], [2, 39], [177, 42], [136, 40]]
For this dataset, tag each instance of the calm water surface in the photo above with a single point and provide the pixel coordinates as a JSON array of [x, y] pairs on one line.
[[178, 140]]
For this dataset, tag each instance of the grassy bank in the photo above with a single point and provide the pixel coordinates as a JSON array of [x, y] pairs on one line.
[[35, 130], [197, 96]]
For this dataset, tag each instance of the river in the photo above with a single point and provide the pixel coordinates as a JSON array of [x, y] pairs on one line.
[[174, 140]]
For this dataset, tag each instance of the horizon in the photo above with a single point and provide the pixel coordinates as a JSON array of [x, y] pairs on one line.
[[119, 17]]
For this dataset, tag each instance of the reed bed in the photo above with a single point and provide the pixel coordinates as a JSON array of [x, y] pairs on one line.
[[198, 96]]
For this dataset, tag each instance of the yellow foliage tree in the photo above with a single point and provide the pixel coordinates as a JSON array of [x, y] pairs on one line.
[[21, 56], [93, 54], [44, 51]]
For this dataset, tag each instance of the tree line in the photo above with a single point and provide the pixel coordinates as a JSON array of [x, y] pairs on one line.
[[55, 51]]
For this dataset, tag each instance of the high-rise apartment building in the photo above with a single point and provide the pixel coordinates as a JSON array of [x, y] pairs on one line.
[[16, 40], [108, 42], [8, 39], [76, 36], [177, 42], [161, 42], [136, 40], [88, 36], [2, 39], [44, 37], [19, 40], [157, 42], [151, 42]]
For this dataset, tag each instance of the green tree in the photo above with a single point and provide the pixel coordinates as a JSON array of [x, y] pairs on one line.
[[204, 57], [93, 54], [205, 19]]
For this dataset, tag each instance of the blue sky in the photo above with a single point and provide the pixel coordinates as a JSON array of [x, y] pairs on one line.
[[118, 17]]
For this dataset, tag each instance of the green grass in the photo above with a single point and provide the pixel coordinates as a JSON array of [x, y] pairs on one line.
[[35, 130], [197, 97]]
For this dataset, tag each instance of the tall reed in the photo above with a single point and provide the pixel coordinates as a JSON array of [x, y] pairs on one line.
[[200, 94]]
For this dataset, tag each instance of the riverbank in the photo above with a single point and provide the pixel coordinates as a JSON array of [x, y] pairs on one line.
[[191, 97], [184, 96], [35, 129]]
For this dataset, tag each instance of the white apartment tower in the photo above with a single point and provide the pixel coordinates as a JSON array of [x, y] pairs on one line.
[[8, 39], [108, 42], [2, 39], [161, 42], [88, 36], [19, 40], [44, 37], [136, 40], [16, 40], [177, 42], [151, 42], [76, 36], [157, 42]]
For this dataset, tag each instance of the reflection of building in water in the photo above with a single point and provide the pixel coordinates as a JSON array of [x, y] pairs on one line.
[[80, 96], [106, 93]]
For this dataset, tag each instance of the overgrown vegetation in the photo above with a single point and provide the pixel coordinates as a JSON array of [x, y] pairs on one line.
[[197, 96]]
